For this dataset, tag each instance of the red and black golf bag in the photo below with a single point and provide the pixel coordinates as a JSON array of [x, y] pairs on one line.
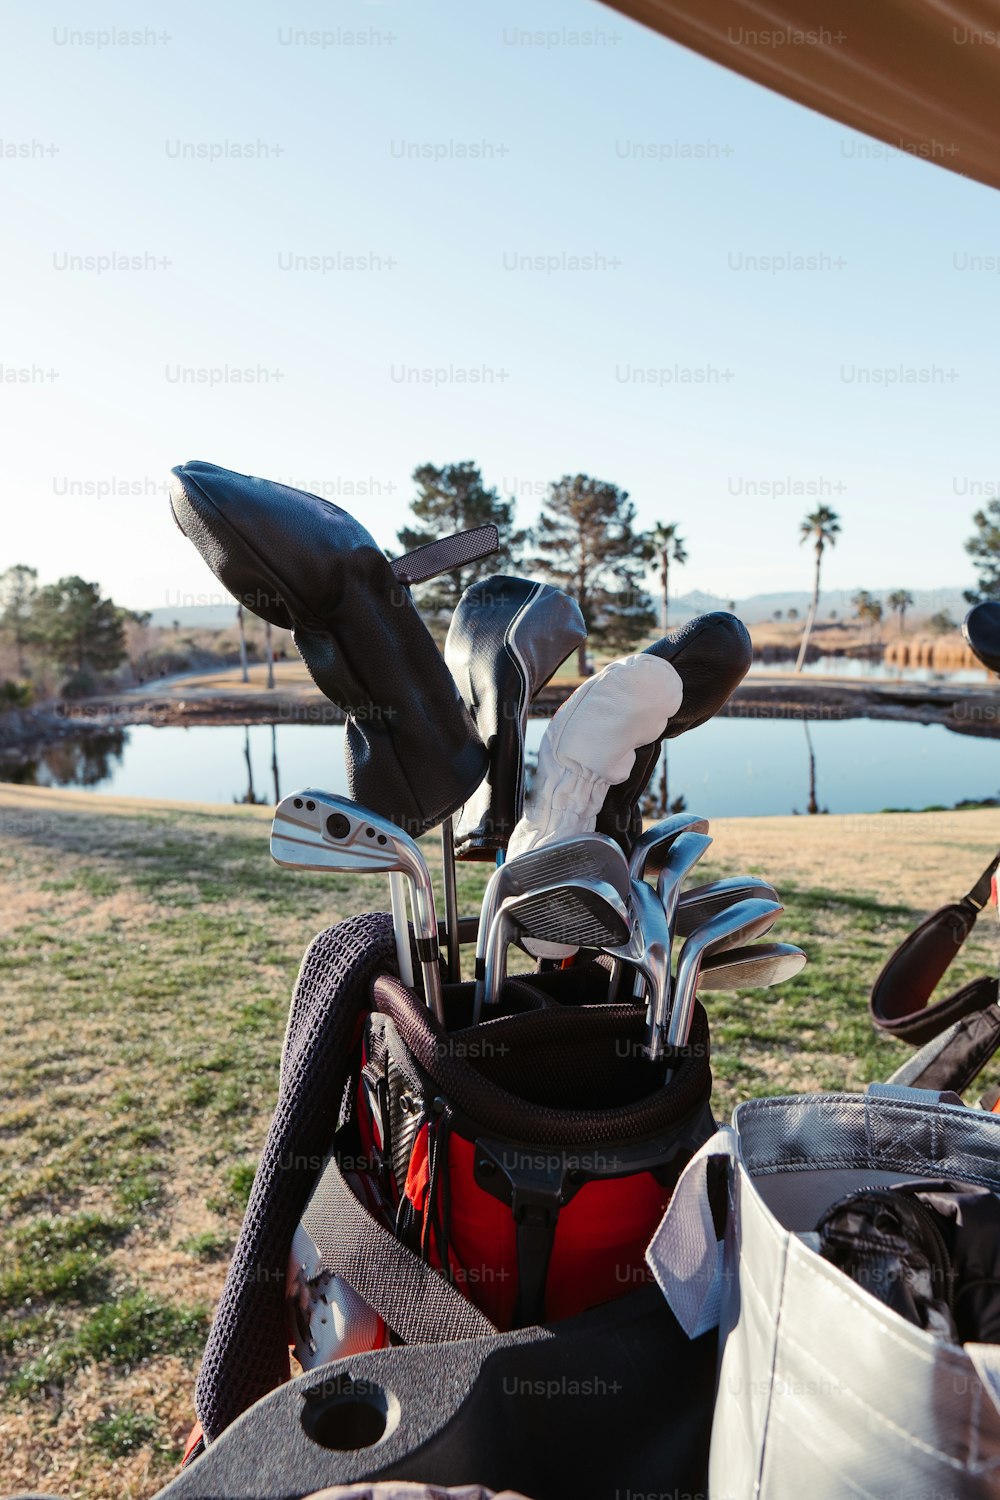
[[488, 1191]]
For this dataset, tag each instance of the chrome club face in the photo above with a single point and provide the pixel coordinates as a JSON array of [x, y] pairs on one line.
[[650, 849], [728, 929], [648, 949], [679, 860], [584, 856], [700, 902], [754, 967], [577, 913], [315, 830]]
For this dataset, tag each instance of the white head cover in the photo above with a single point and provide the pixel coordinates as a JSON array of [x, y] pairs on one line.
[[590, 745]]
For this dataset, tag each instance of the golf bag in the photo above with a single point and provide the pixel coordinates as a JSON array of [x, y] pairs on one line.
[[528, 1158], [458, 1181], [957, 1035], [824, 1388]]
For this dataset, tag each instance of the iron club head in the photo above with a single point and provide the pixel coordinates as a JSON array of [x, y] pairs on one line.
[[727, 929], [648, 948], [650, 849], [584, 856], [314, 830], [581, 913], [756, 966], [699, 902]]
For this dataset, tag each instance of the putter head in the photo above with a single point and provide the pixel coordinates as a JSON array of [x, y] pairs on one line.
[[730, 928], [582, 914], [650, 849], [756, 966], [700, 902]]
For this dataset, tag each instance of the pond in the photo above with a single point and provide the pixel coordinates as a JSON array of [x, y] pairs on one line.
[[728, 767], [869, 671]]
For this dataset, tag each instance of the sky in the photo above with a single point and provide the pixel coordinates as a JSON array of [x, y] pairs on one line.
[[352, 236]]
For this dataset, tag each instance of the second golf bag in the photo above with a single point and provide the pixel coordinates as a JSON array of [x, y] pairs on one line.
[[957, 1034]]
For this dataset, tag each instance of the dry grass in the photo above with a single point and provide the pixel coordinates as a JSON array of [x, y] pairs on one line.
[[147, 951]]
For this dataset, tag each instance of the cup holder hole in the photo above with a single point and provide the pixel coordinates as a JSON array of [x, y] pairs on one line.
[[347, 1415]]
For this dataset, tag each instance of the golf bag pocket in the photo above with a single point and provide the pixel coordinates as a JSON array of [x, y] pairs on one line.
[[527, 1159], [824, 1388]]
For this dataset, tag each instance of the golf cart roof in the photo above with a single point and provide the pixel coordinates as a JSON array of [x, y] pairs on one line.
[[921, 75]]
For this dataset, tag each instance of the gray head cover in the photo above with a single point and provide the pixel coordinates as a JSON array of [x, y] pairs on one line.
[[506, 638]]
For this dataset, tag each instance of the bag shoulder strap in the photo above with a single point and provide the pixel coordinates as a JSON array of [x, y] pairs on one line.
[[980, 893], [900, 996], [415, 1300]]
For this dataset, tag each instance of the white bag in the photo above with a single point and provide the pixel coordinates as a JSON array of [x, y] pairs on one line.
[[823, 1391]]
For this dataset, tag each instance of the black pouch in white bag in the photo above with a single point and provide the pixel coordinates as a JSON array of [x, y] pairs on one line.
[[823, 1390]]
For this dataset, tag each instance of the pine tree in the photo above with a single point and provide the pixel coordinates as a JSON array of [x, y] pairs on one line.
[[589, 546], [450, 498]]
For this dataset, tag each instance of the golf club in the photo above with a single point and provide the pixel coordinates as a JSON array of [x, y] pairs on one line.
[[678, 859], [700, 902], [454, 952], [315, 830], [581, 913], [727, 929], [647, 947], [755, 966], [650, 848], [400, 928], [584, 856]]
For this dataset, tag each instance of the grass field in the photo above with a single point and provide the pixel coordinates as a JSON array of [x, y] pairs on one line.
[[147, 952]]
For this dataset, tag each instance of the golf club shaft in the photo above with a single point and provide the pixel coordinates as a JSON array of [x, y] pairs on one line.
[[454, 964], [401, 927]]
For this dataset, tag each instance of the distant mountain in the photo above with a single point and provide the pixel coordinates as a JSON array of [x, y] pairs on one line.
[[760, 607], [754, 610]]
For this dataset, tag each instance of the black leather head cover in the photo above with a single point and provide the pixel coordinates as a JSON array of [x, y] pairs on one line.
[[981, 628], [412, 751], [507, 637], [712, 655]]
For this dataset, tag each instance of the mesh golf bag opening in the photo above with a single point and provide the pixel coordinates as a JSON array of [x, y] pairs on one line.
[[531, 1157]]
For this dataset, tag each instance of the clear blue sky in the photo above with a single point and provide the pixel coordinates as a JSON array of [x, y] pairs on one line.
[[727, 172]]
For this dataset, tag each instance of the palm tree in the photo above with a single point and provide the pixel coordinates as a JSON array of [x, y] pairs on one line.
[[822, 527], [868, 609], [899, 601], [668, 546]]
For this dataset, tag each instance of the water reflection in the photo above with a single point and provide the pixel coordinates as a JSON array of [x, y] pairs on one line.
[[813, 804], [72, 762], [729, 767], [249, 796], [656, 799]]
